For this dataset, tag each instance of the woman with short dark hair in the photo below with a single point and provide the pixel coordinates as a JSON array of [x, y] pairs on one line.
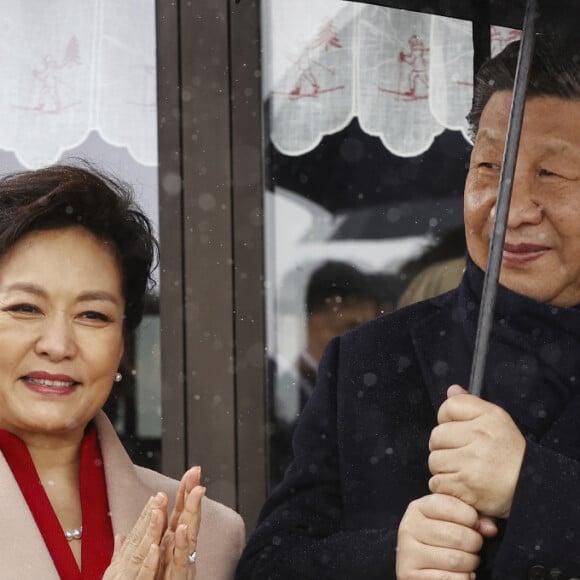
[[76, 255]]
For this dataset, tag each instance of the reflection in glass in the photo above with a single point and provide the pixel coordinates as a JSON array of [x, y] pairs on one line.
[[367, 156]]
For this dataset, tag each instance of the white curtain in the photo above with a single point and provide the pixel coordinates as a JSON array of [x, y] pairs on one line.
[[406, 76], [69, 67]]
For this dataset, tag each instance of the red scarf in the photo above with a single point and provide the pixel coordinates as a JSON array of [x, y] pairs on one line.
[[97, 546]]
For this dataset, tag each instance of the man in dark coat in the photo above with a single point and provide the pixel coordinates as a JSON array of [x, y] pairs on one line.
[[399, 473]]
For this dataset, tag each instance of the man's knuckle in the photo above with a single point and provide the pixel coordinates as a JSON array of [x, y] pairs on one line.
[[416, 504], [454, 560], [452, 537]]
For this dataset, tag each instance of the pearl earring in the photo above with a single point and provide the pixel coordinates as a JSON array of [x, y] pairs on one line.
[[118, 377]]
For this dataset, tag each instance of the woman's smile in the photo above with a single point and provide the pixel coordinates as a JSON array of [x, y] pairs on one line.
[[50, 384]]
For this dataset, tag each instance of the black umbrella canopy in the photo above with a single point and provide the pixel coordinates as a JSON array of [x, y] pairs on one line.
[[434, 217], [351, 170], [556, 16]]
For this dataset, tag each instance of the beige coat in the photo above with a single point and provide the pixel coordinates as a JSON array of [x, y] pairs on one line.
[[23, 553]]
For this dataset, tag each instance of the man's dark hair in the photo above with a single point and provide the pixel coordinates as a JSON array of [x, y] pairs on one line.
[[337, 279], [63, 196], [555, 72]]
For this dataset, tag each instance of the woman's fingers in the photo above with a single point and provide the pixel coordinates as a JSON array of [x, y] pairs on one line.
[[154, 550], [191, 478], [182, 549], [121, 545], [149, 529], [145, 529], [149, 569], [141, 546], [137, 555], [179, 503], [191, 514], [188, 527], [182, 543]]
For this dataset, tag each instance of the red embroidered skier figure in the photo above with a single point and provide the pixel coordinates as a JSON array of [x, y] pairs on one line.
[[50, 79], [418, 76], [307, 82], [417, 86]]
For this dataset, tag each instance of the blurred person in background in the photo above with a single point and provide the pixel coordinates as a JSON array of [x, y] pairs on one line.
[[438, 270], [338, 298]]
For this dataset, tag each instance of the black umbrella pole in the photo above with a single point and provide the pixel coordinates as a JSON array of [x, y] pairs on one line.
[[491, 279]]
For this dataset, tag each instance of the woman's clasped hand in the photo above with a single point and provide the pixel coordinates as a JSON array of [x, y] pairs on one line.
[[161, 547]]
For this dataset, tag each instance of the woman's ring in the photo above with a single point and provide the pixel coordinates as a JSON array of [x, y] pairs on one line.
[[192, 557]]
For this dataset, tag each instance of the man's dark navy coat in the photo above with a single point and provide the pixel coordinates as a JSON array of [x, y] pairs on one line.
[[361, 447]]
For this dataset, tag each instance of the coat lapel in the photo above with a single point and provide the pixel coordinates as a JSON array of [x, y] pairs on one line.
[[126, 492], [127, 496], [23, 553], [443, 351]]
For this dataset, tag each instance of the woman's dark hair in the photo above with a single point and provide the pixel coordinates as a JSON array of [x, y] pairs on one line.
[[65, 195], [555, 72]]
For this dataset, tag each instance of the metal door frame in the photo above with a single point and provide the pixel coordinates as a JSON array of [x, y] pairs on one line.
[[211, 237]]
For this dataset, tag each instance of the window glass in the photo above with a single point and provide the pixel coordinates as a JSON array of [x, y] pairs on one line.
[[366, 159]]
